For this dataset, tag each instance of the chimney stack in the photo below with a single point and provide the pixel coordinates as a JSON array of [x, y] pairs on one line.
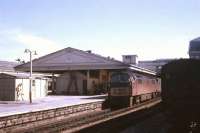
[[130, 59]]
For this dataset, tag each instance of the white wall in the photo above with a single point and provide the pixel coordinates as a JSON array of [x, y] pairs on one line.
[[24, 90], [38, 91]]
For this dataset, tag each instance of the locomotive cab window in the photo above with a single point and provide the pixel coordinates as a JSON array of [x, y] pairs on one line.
[[124, 78], [120, 77]]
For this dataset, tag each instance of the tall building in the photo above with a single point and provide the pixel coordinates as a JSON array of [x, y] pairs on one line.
[[194, 48]]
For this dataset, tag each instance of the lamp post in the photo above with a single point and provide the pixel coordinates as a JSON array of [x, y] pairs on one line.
[[30, 78]]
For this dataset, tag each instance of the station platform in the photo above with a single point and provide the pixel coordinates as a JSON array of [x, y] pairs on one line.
[[8, 108]]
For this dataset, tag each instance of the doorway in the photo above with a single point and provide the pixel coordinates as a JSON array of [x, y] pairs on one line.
[[84, 87]]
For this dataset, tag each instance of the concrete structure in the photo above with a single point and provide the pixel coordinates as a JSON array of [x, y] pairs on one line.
[[15, 86], [130, 59], [76, 72], [49, 109], [154, 65], [194, 48]]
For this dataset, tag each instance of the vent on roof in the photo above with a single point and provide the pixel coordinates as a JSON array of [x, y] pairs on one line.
[[89, 51]]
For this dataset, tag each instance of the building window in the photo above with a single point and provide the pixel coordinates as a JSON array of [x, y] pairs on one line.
[[94, 74], [33, 82], [104, 77], [127, 57]]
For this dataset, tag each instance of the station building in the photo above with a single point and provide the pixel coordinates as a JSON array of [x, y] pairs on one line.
[[75, 72]]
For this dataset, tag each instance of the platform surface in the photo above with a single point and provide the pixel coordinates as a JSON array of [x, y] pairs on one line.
[[50, 102]]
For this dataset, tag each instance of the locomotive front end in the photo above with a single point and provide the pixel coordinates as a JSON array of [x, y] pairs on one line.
[[120, 90]]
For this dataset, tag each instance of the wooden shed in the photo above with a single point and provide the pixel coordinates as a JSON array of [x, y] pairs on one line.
[[15, 86]]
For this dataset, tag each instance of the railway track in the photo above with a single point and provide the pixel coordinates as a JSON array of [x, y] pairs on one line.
[[84, 120], [125, 119]]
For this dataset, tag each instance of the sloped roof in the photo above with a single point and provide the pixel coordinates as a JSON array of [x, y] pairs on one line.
[[72, 59], [141, 70], [14, 75], [21, 75], [7, 66]]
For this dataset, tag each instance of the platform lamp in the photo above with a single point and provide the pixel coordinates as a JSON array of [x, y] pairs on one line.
[[30, 78]]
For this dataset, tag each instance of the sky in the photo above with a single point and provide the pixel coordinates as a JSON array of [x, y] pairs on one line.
[[152, 29]]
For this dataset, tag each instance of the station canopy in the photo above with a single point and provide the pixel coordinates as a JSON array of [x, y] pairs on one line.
[[71, 59]]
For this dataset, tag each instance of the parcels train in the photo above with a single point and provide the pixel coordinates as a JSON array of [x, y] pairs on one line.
[[132, 86], [181, 90]]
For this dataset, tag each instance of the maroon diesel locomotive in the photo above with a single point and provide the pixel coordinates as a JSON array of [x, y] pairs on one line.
[[133, 86]]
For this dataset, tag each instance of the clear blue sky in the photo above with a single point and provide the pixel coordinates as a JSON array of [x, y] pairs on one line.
[[151, 29]]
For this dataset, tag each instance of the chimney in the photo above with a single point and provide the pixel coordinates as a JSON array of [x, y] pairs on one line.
[[130, 59]]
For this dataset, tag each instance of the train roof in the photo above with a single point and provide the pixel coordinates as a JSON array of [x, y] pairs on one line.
[[142, 70], [179, 65], [194, 45]]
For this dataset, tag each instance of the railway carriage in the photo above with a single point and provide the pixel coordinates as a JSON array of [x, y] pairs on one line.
[[132, 86]]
